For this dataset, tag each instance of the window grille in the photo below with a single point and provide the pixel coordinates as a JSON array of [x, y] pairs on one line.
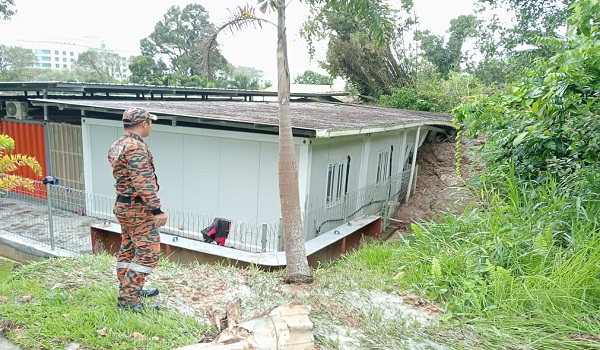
[[336, 179]]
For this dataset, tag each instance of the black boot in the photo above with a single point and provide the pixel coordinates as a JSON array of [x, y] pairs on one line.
[[138, 307], [148, 293]]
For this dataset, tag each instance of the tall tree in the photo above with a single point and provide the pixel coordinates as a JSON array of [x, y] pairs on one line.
[[145, 70], [295, 249], [297, 264], [106, 65], [298, 270], [360, 36], [448, 57], [13, 61], [179, 37], [297, 267], [532, 19], [5, 9], [310, 77]]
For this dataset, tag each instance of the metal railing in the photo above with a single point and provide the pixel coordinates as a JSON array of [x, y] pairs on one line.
[[380, 199], [64, 225], [61, 217]]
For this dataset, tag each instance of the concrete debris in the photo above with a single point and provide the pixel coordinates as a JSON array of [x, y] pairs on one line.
[[286, 327]]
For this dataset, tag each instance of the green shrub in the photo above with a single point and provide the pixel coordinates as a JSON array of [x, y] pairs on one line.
[[527, 257], [549, 123], [431, 93]]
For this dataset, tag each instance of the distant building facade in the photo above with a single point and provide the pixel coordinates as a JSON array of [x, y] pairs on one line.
[[63, 54]]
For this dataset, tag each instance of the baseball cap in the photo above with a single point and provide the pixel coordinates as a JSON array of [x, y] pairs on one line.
[[135, 115]]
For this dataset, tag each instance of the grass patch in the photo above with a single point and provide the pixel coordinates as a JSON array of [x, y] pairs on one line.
[[504, 276], [51, 303], [519, 269]]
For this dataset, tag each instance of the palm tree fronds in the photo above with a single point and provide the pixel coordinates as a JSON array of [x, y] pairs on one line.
[[240, 19], [7, 144], [11, 162], [10, 182]]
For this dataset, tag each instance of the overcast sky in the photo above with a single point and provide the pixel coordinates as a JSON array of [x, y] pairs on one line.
[[122, 23]]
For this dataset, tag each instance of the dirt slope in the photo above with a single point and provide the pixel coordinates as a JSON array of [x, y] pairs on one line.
[[439, 188]]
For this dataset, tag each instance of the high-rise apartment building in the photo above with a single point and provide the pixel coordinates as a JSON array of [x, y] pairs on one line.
[[62, 54]]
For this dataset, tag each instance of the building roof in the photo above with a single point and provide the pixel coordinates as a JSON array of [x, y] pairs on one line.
[[311, 119], [224, 108]]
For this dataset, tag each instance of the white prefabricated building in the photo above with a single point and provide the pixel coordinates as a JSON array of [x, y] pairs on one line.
[[219, 158]]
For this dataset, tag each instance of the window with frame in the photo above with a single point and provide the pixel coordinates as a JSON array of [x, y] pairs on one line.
[[383, 167], [336, 181]]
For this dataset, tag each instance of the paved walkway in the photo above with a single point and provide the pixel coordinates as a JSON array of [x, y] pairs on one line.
[[6, 345]]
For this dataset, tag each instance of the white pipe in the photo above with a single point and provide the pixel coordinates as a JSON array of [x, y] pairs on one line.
[[414, 163], [327, 133]]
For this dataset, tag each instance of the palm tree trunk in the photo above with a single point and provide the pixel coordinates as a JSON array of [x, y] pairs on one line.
[[293, 237]]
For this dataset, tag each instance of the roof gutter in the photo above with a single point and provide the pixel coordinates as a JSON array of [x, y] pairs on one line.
[[330, 133]]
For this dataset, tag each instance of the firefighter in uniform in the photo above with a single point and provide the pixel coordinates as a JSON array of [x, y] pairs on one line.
[[138, 209]]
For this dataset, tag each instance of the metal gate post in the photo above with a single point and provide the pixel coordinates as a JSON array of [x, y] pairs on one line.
[[386, 205], [49, 181], [264, 238], [280, 243]]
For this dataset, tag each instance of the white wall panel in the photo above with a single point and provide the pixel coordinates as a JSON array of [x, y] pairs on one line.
[[269, 207], [238, 188], [200, 171], [209, 172], [167, 150], [100, 179]]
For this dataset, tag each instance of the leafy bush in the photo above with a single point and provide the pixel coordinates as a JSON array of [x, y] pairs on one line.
[[549, 123], [408, 98], [522, 260], [431, 93]]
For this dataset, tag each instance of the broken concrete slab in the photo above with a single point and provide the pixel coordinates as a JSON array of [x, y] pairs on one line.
[[286, 327]]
